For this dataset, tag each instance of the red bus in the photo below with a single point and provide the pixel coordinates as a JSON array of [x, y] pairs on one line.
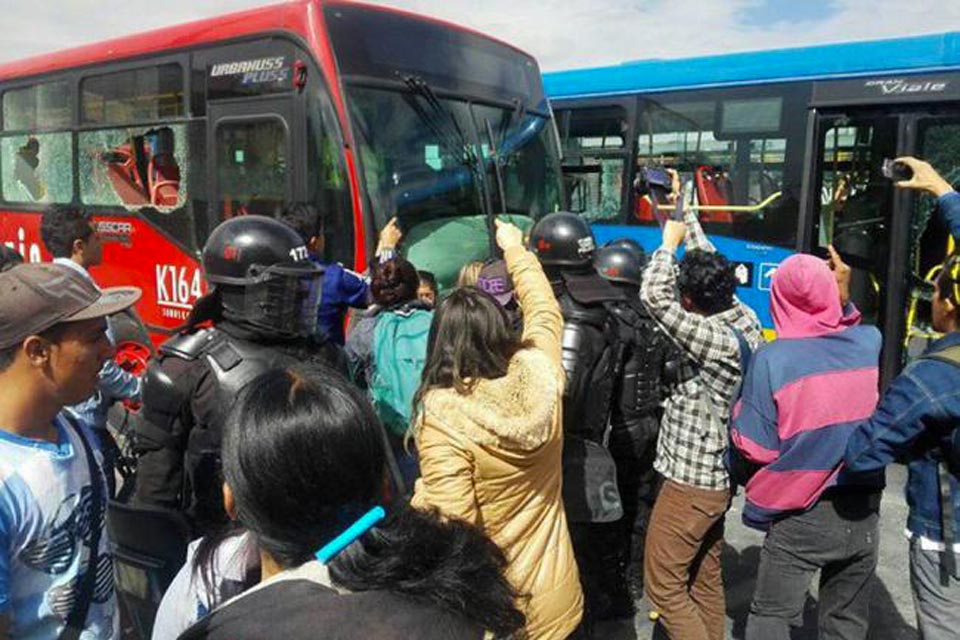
[[365, 112]]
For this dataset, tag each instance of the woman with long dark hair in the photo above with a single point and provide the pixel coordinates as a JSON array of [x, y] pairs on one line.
[[489, 434], [303, 463]]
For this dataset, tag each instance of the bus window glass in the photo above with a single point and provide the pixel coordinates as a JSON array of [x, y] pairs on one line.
[[138, 95], [43, 106], [252, 167], [938, 142], [526, 149], [594, 160], [37, 168], [855, 203], [327, 179], [398, 134], [759, 115], [134, 167], [731, 155]]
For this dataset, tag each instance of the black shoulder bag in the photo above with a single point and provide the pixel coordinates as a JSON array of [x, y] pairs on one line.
[[77, 619]]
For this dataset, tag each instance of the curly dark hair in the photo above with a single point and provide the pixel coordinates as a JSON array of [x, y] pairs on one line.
[[62, 225], [394, 282], [708, 280]]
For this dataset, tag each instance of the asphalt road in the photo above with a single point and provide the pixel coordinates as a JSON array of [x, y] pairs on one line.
[[891, 615]]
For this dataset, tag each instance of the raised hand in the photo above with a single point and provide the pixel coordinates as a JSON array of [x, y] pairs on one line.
[[925, 177], [841, 271]]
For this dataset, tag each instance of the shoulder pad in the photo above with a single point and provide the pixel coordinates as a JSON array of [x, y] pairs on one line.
[[591, 289], [189, 346], [630, 313], [575, 312], [161, 393]]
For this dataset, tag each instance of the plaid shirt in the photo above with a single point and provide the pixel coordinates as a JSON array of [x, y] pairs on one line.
[[693, 434]]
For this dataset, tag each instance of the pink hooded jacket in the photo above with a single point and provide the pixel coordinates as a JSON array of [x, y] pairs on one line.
[[803, 393], [805, 299]]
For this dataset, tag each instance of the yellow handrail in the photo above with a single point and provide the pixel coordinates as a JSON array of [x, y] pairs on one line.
[[748, 208]]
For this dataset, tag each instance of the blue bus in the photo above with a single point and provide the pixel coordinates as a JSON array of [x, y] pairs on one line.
[[781, 151]]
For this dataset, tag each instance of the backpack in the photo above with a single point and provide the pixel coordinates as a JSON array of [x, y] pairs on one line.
[[399, 354], [739, 468]]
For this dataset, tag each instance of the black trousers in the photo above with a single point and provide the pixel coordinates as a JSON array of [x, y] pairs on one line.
[[839, 537]]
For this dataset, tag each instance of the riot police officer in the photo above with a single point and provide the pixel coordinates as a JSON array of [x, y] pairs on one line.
[[635, 419], [592, 359], [260, 313]]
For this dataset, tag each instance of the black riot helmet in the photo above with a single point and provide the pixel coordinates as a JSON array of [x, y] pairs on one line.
[[562, 239], [619, 263], [631, 244], [262, 273]]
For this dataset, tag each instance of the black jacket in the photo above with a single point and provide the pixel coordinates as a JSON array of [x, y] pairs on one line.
[[302, 609]]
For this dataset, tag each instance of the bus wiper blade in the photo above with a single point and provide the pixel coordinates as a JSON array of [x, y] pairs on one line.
[[442, 122], [498, 173]]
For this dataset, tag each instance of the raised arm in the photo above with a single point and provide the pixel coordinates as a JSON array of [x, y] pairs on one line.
[[542, 320], [696, 238], [926, 178], [950, 210]]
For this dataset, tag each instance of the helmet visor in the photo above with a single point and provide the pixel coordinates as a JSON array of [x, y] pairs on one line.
[[284, 298]]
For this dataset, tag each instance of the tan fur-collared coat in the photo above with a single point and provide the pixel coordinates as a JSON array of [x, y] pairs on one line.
[[493, 458]]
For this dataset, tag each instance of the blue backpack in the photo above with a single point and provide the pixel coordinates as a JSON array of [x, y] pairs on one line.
[[399, 353], [739, 468]]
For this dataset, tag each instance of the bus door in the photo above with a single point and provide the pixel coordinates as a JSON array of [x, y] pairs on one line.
[[883, 233], [934, 136], [598, 157], [252, 151]]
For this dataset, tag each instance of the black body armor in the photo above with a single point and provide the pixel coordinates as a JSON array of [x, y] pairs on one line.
[[649, 353], [591, 353], [188, 393]]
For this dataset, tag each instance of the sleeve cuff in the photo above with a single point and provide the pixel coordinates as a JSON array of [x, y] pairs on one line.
[[950, 195], [662, 254]]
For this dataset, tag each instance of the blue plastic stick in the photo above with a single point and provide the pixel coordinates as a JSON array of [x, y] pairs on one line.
[[353, 532]]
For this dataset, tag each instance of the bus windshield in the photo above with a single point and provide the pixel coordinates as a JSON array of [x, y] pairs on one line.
[[451, 128], [423, 161]]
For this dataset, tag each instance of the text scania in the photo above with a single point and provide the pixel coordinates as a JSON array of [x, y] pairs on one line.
[[246, 66], [178, 287]]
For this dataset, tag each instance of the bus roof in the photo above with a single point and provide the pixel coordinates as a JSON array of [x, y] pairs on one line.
[[297, 16], [915, 54], [292, 16]]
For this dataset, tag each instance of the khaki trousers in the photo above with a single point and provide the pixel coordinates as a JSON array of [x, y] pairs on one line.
[[682, 561]]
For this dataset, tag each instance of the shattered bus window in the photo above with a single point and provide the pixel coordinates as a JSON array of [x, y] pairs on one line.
[[134, 167], [34, 169]]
